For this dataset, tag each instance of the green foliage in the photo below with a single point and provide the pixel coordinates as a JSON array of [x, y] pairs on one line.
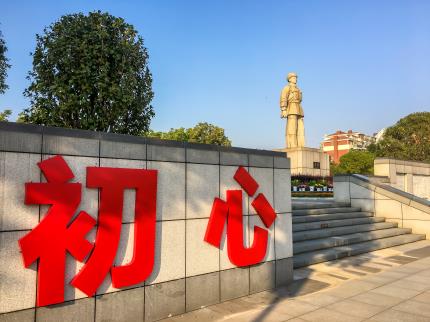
[[312, 183], [4, 116], [3, 65], [355, 161], [201, 133], [408, 139], [372, 147], [174, 134], [323, 182], [295, 182], [90, 72], [21, 118], [209, 134]]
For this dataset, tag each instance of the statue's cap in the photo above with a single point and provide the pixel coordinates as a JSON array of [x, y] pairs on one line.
[[291, 75]]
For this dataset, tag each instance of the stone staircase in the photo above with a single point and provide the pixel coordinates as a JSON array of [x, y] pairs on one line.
[[328, 231]]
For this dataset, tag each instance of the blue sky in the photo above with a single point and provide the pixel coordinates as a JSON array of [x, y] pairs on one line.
[[362, 65]]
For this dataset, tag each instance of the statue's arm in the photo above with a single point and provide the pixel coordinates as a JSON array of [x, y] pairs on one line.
[[284, 98], [284, 101]]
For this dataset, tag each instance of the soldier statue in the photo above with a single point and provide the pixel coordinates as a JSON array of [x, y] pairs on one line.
[[291, 109]]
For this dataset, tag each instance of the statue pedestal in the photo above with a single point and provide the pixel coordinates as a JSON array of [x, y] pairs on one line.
[[308, 162]]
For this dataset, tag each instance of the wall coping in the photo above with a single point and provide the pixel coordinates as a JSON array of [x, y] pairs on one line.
[[372, 184], [86, 134], [401, 162]]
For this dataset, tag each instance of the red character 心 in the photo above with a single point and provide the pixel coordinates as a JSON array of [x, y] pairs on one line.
[[230, 211]]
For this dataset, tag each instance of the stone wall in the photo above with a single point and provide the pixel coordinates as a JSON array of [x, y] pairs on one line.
[[409, 176], [408, 210], [303, 161], [188, 273]]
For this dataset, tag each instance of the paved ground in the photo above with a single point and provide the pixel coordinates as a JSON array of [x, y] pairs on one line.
[[387, 285]]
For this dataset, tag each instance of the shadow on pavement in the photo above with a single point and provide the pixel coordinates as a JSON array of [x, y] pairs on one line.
[[297, 288]]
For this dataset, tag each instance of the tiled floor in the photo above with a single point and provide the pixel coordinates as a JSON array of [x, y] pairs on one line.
[[387, 285]]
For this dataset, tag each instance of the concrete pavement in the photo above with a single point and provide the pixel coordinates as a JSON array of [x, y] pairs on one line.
[[387, 285]]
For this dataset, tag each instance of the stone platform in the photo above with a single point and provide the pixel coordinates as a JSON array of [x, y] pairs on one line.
[[308, 161]]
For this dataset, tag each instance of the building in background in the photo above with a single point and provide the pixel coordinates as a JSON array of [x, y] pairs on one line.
[[340, 143], [380, 135]]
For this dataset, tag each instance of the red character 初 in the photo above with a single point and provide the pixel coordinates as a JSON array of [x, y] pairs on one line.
[[230, 212], [58, 232]]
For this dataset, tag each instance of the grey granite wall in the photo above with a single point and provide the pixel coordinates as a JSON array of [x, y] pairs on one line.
[[409, 176], [406, 209], [188, 273]]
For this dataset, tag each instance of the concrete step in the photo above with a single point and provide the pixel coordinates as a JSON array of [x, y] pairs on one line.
[[334, 241], [319, 256], [336, 223], [339, 231], [334, 216], [316, 204], [320, 211]]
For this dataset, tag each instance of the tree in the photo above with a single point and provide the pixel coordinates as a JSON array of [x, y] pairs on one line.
[[4, 116], [408, 139], [90, 72], [209, 134], [179, 134], [355, 161], [3, 65], [201, 133]]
